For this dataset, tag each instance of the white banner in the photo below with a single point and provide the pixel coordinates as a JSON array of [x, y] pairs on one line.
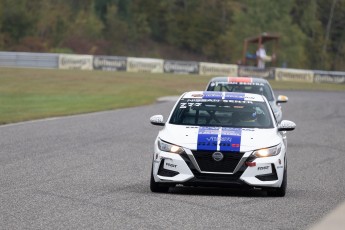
[[217, 69], [150, 65], [252, 71], [71, 61], [329, 77], [294, 75]]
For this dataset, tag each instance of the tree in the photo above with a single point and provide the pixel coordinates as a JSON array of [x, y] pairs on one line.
[[257, 17], [306, 15]]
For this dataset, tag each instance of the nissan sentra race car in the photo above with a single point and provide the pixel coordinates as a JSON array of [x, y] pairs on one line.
[[221, 139], [249, 85]]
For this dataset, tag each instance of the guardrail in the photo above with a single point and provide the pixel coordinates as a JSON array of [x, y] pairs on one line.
[[152, 65]]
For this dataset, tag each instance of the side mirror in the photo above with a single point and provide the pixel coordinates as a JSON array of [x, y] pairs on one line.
[[157, 120], [282, 99], [286, 125]]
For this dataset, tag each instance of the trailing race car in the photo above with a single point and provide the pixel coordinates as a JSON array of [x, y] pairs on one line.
[[221, 139], [249, 85]]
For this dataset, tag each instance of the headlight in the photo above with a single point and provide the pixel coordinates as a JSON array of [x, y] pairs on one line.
[[268, 152], [169, 147]]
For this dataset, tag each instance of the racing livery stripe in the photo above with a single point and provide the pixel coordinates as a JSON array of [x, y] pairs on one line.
[[223, 95], [212, 95], [230, 139], [234, 96], [208, 138], [240, 79], [219, 139]]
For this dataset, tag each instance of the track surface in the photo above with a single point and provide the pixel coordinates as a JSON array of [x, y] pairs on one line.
[[92, 172]]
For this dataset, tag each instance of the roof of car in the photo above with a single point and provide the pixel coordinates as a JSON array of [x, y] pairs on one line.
[[237, 80], [223, 96]]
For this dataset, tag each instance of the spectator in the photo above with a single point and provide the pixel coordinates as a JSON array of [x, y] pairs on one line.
[[261, 56]]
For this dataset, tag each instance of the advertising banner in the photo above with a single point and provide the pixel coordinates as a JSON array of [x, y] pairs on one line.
[[294, 75], [110, 63], [206, 68], [71, 61], [329, 77], [252, 71], [150, 65], [185, 67]]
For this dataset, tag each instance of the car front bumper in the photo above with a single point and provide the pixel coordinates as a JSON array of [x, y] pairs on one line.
[[185, 169]]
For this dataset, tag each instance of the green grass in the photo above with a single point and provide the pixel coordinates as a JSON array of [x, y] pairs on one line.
[[27, 94]]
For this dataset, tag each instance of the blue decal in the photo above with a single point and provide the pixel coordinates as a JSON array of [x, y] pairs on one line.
[[212, 95], [234, 96], [230, 139], [208, 138]]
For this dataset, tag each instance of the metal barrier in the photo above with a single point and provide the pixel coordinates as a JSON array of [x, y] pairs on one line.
[[29, 60]]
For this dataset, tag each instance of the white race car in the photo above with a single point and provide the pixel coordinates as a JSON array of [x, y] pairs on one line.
[[249, 85], [221, 139]]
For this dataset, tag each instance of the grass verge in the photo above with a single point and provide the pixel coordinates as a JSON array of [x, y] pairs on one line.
[[27, 94]]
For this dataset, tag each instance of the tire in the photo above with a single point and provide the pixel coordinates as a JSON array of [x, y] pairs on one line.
[[157, 187], [281, 191]]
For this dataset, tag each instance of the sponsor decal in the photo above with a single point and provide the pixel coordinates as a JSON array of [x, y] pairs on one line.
[[329, 77], [180, 67], [112, 63], [71, 61], [263, 168], [254, 71], [217, 69], [234, 96], [144, 65], [230, 139], [240, 79], [212, 95], [208, 138], [294, 75], [223, 95], [219, 139], [170, 165]]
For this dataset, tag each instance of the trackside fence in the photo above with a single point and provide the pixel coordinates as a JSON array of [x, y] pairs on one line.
[[153, 65]]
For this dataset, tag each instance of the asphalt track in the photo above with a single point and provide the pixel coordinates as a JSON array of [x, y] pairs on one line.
[[92, 171]]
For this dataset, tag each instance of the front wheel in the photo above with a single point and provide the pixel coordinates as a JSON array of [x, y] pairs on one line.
[[157, 187], [281, 191]]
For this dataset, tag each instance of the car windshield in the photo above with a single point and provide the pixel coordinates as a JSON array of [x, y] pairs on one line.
[[257, 88], [224, 113]]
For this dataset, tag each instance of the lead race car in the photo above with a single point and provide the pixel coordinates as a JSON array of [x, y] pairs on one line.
[[221, 139]]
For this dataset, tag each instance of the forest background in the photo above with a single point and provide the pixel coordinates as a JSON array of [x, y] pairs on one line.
[[312, 31]]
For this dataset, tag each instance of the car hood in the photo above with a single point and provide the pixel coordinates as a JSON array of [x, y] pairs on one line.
[[219, 139]]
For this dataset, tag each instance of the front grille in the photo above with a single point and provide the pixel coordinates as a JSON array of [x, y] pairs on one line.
[[217, 177], [208, 164]]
